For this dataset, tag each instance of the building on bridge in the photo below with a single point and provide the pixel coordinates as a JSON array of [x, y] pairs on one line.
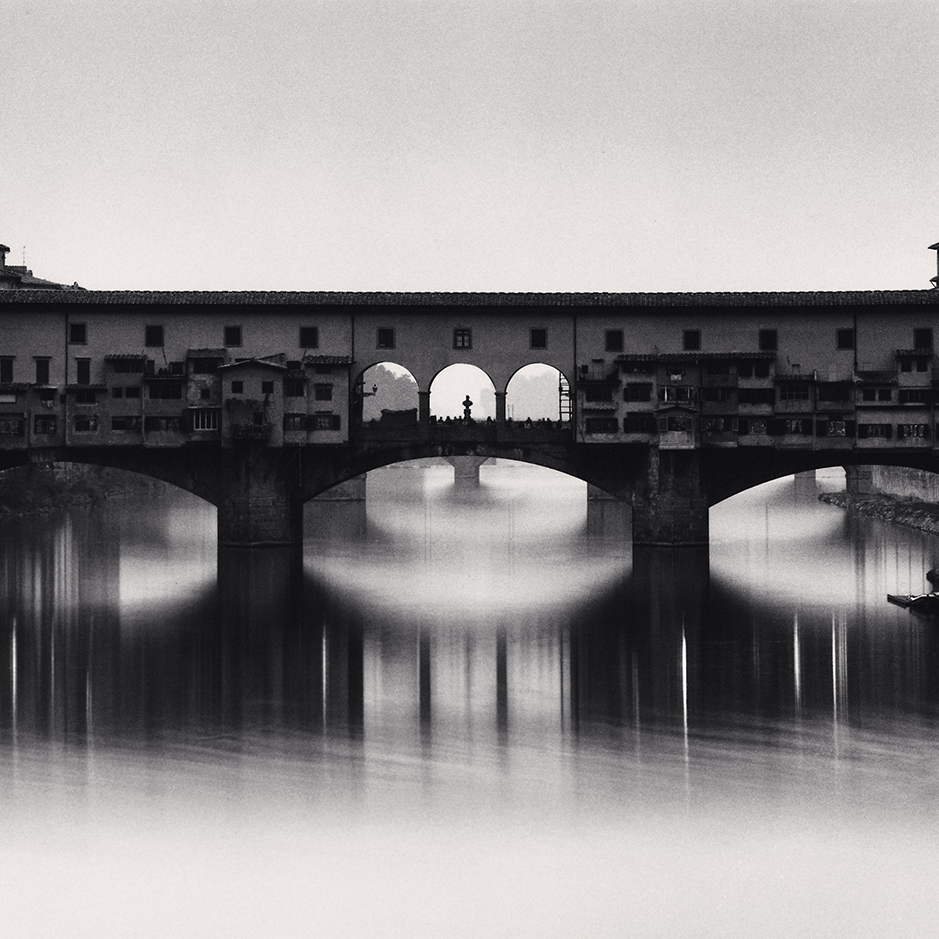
[[254, 399]]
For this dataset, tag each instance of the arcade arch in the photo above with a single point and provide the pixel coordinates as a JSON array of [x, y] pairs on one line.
[[386, 386], [452, 385], [535, 391]]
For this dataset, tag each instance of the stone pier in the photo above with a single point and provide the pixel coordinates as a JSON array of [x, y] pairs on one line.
[[669, 505]]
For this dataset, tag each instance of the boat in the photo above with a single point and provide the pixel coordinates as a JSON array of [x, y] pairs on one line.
[[917, 603]]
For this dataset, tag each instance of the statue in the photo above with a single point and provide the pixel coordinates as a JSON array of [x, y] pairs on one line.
[[467, 409]]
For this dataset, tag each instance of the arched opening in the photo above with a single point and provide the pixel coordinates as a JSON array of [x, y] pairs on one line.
[[387, 391], [537, 392], [451, 388]]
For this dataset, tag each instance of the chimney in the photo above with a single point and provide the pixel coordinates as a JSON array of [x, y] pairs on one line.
[[3, 256], [933, 280]]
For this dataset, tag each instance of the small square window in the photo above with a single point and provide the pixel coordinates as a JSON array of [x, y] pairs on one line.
[[237, 387], [309, 337], [462, 339], [132, 391], [267, 387], [232, 336], [78, 334], [691, 340], [204, 394], [117, 392], [386, 337], [922, 338], [845, 338], [323, 392], [768, 340], [153, 336], [6, 369], [539, 339], [614, 340]]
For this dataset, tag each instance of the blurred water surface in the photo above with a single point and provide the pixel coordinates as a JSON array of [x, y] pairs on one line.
[[467, 711]]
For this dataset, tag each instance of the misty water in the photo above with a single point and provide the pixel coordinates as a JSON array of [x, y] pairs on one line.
[[467, 712]]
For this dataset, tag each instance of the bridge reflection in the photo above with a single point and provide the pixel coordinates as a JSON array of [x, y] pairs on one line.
[[267, 645]]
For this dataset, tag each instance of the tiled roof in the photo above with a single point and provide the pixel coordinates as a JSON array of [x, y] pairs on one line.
[[772, 299]]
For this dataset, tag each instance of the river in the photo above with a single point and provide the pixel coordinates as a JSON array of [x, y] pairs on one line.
[[467, 712]]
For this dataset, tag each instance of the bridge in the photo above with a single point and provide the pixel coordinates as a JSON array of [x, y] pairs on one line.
[[673, 402]]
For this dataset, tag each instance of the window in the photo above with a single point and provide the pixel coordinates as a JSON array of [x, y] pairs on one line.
[[323, 392], [132, 391], [614, 340], [718, 368], [267, 387], [598, 393], [11, 426], [237, 387], [884, 394], [85, 423], [78, 334], [309, 337], [462, 339], [768, 340], [117, 392], [761, 369], [125, 424], [42, 371], [6, 369], [44, 424], [637, 391], [922, 338], [153, 336], [538, 339], [912, 430], [866, 431], [205, 394], [915, 396], [799, 425], [294, 422], [322, 370], [293, 387], [756, 395], [166, 391], [719, 425], [232, 336], [204, 366], [326, 422], [675, 422], [386, 337], [162, 425], [680, 394], [794, 391], [204, 419], [717, 394], [638, 424], [601, 425], [83, 371], [127, 366], [691, 340], [844, 338], [85, 397]]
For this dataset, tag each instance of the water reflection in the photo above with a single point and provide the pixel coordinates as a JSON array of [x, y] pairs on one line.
[[494, 657]]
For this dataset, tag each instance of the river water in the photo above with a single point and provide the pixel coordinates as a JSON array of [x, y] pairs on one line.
[[467, 712]]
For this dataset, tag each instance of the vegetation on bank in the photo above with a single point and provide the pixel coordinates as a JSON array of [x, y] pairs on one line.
[[923, 516], [43, 489]]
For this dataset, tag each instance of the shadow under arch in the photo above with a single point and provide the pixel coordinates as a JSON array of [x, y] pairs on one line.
[[537, 391], [727, 473], [175, 467]]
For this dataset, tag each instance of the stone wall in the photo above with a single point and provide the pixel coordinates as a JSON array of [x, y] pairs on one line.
[[905, 483]]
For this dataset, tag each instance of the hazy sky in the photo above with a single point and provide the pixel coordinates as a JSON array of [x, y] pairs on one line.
[[486, 145]]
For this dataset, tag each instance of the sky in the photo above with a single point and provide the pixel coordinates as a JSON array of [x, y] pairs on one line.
[[556, 145]]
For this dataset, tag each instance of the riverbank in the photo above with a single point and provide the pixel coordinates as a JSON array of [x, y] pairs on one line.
[[923, 516]]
